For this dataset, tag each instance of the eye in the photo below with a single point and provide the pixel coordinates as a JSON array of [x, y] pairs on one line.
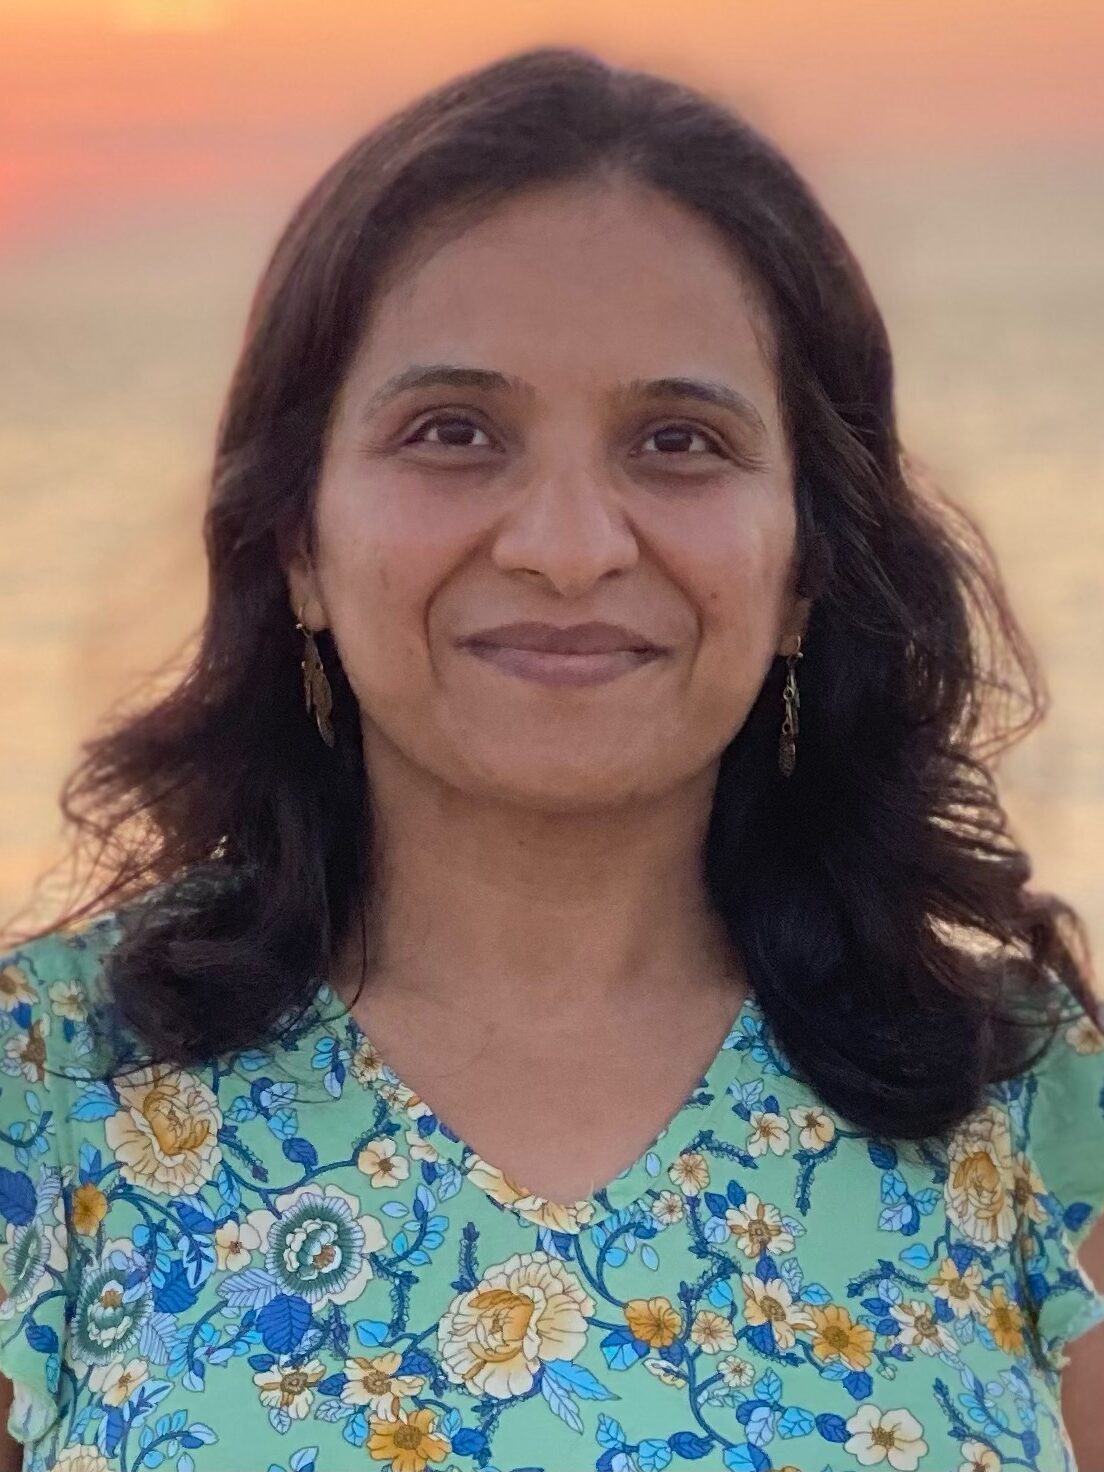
[[684, 432], [457, 427], [455, 431]]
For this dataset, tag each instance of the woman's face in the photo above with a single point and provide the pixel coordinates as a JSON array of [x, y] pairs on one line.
[[557, 489]]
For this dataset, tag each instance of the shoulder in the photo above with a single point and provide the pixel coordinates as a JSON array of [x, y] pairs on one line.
[[52, 989], [1057, 1108], [73, 953], [56, 1042], [1056, 1113]]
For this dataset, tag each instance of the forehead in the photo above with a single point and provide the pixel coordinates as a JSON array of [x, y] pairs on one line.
[[579, 285]]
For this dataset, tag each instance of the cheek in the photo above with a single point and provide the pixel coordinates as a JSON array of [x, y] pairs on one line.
[[389, 548], [740, 585], [739, 595], [377, 594]]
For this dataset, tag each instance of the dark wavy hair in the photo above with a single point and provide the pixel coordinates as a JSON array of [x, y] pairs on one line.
[[876, 897]]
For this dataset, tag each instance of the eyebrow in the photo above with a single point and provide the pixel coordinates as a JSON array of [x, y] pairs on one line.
[[455, 375]]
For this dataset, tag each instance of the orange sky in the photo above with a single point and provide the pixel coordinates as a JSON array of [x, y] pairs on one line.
[[105, 104]]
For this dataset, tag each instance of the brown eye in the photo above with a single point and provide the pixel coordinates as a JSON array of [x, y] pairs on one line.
[[672, 438], [455, 431], [455, 428]]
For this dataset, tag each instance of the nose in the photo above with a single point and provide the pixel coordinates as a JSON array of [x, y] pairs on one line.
[[569, 529]]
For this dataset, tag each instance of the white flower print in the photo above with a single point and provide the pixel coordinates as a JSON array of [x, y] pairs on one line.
[[769, 1131], [878, 1436]]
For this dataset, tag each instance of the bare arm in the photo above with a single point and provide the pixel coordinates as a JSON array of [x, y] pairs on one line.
[[11, 1451], [1083, 1377]]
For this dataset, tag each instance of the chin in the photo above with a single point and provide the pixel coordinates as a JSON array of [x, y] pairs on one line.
[[565, 787]]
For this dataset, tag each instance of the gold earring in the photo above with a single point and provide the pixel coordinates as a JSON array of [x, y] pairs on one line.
[[316, 687], [787, 746]]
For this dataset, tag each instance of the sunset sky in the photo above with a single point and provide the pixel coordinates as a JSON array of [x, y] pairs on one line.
[[152, 150], [109, 105]]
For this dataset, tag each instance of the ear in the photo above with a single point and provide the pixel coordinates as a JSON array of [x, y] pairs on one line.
[[302, 584], [797, 623]]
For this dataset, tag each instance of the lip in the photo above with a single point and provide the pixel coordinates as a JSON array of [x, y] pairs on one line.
[[579, 654], [575, 639], [550, 668]]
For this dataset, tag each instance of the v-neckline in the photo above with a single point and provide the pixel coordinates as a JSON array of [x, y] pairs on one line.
[[621, 1194]]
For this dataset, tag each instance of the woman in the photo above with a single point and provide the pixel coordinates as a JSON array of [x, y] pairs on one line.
[[548, 1050]]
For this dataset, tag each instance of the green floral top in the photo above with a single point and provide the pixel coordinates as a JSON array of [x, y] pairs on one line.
[[288, 1261]]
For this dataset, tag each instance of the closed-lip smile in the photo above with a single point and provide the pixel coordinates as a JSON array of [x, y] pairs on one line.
[[586, 638], [580, 654]]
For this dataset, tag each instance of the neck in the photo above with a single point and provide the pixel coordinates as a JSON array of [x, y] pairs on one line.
[[538, 917]]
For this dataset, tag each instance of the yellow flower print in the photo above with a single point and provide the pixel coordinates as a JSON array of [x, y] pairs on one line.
[[1027, 1186], [81, 1458], [419, 1147], [527, 1309], [535, 1209], [877, 1436], [571, 1217], [836, 1334], [771, 1302], [89, 1209], [979, 1458], [234, 1241], [366, 1065], [1005, 1321], [116, 1383], [290, 1389], [960, 1290], [769, 1131], [1084, 1036], [165, 1136], [399, 1097], [25, 1053], [654, 1321], [757, 1227], [668, 1208], [373, 1382], [736, 1372], [690, 1172], [69, 1001], [409, 1443], [379, 1162], [980, 1178], [817, 1127], [14, 989], [920, 1329], [712, 1332]]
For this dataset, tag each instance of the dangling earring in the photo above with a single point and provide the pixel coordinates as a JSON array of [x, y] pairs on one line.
[[787, 746], [316, 687]]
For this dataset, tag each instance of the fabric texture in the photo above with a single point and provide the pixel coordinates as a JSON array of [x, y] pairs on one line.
[[286, 1260]]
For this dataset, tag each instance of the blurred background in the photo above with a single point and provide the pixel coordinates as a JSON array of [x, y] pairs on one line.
[[151, 150]]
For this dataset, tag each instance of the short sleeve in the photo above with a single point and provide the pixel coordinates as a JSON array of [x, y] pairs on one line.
[[1059, 1110], [45, 1039]]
